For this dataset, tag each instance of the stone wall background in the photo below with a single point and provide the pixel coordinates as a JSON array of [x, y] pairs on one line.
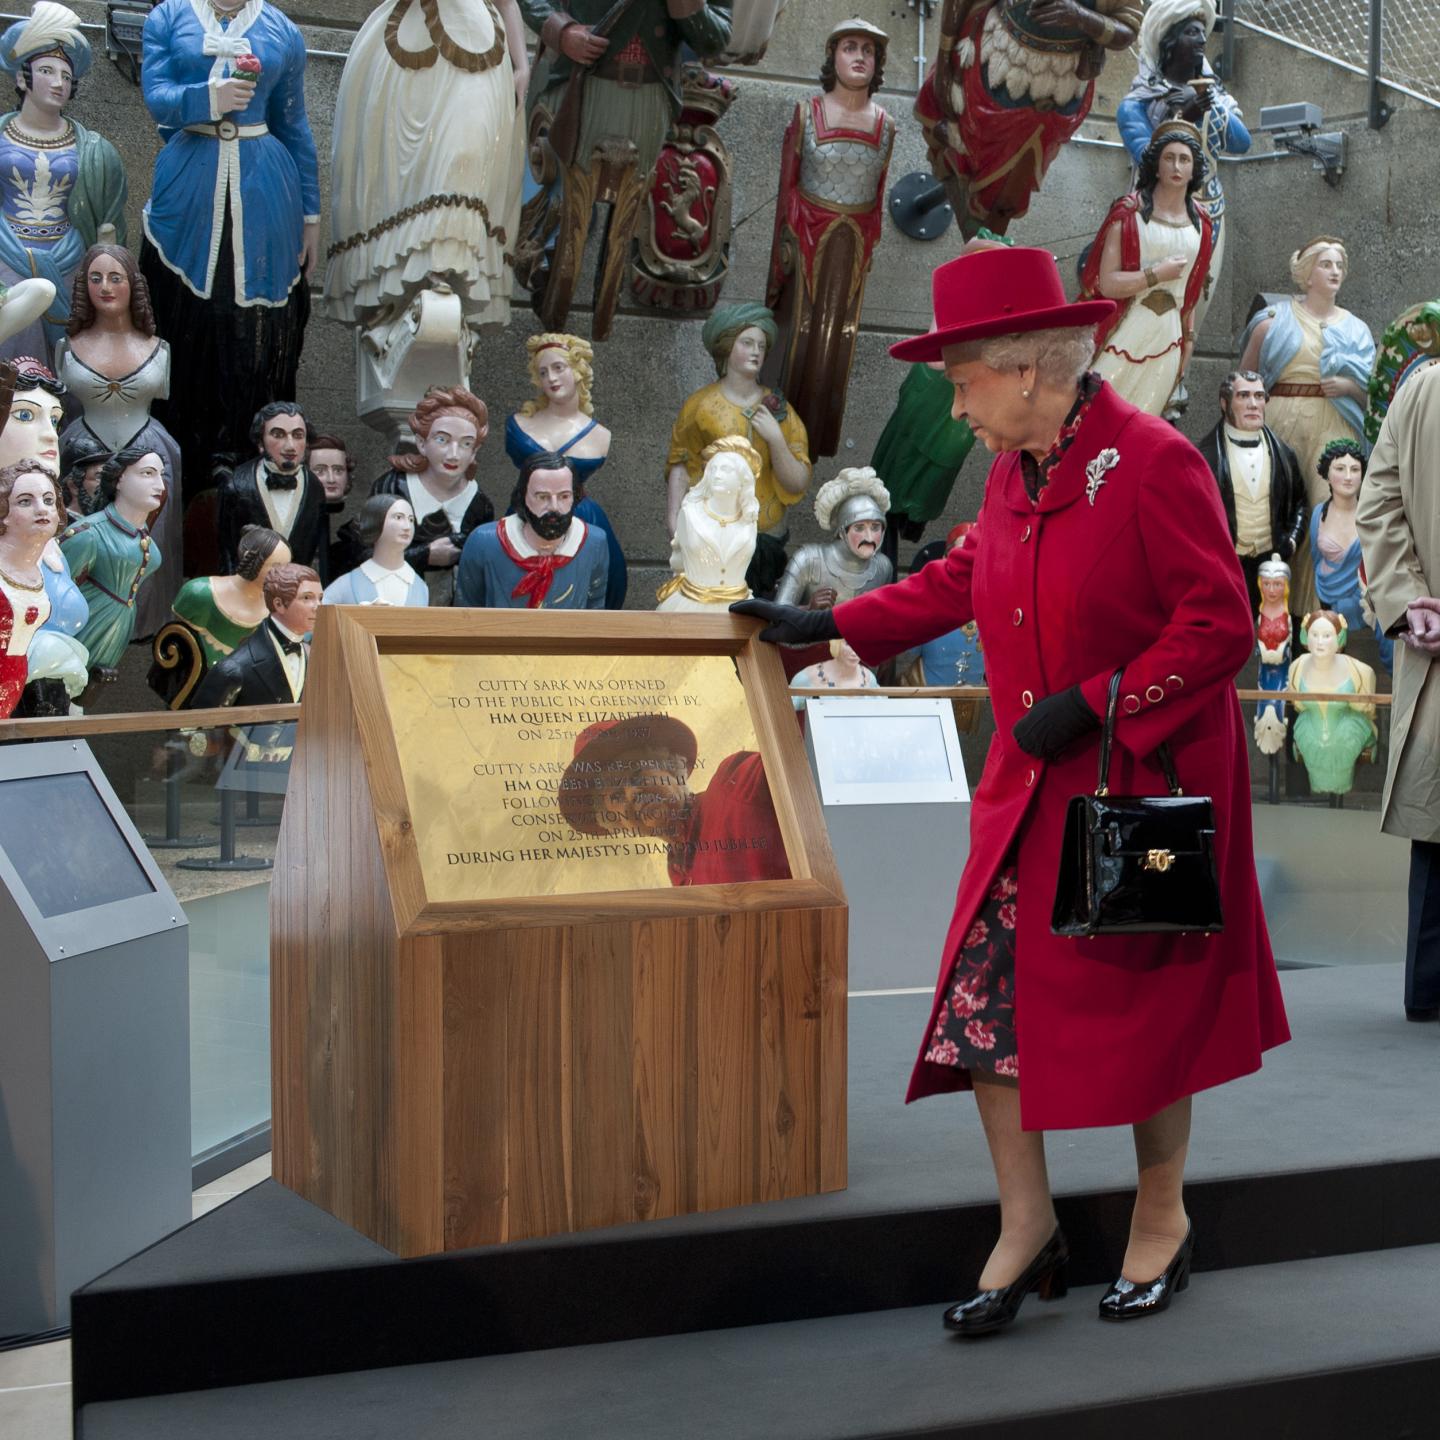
[[1382, 208]]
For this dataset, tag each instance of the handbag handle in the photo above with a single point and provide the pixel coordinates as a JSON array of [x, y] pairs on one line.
[[1107, 740]]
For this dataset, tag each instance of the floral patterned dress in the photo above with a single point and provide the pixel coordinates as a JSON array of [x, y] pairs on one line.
[[975, 1028]]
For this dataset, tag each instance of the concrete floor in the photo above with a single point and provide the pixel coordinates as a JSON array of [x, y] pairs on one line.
[[35, 1381]]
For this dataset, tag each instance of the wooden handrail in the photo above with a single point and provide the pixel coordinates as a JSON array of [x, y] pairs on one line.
[[136, 722], [1311, 696]]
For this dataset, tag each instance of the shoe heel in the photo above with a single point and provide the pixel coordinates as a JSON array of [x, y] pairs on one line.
[[1053, 1284]]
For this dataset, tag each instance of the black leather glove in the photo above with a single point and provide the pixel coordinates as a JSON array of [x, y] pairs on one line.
[[789, 624], [1054, 724]]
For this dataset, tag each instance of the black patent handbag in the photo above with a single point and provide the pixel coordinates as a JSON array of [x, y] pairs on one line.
[[1137, 864]]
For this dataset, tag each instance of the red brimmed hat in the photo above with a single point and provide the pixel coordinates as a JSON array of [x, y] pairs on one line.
[[999, 291], [608, 740]]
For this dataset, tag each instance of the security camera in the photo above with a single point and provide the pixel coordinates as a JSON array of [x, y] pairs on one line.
[[1296, 128], [1302, 118]]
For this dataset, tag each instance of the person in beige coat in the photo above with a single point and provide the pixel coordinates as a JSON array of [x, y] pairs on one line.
[[1399, 526]]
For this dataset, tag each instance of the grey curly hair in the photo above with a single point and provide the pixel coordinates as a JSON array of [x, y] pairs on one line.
[[1060, 356]]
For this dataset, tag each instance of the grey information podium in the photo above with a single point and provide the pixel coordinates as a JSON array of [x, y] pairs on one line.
[[896, 802], [94, 1036]]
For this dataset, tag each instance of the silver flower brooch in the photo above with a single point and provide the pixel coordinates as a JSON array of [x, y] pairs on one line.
[[1095, 472]]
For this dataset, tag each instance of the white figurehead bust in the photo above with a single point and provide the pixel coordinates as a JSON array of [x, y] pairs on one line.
[[715, 530]]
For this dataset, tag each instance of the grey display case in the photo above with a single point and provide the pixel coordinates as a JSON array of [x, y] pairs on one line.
[[94, 1036], [897, 806]]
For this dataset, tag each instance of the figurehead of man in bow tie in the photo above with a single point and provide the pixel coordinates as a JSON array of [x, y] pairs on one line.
[[275, 489], [281, 433], [270, 666], [1258, 475]]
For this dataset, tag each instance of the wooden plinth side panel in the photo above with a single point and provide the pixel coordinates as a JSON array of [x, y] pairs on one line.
[[540, 1119], [356, 1027], [664, 1069], [289, 1121], [607, 1073], [600, 1101], [788, 1124], [475, 1129], [726, 1048], [834, 935]]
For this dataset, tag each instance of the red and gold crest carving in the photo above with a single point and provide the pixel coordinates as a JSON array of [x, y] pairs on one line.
[[684, 241]]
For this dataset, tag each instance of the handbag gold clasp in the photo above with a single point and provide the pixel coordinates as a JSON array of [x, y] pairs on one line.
[[1160, 860]]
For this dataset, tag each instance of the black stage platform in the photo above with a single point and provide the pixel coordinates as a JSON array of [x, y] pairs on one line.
[[1305, 1178]]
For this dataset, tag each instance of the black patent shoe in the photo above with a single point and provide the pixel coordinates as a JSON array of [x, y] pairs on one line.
[[990, 1310], [1129, 1299]]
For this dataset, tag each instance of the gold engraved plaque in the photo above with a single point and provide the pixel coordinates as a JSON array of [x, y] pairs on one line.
[[533, 775]]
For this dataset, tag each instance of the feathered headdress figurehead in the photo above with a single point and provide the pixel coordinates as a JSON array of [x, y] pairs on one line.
[[51, 30]]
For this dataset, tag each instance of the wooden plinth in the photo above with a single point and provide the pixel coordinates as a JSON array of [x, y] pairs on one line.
[[448, 1075]]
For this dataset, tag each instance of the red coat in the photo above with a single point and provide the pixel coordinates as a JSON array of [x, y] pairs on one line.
[[1064, 592]]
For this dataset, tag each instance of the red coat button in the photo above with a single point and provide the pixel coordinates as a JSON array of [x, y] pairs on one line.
[[1030, 779], [1027, 698], [1018, 616], [1024, 534]]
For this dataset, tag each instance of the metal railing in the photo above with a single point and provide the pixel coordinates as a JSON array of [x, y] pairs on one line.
[[1395, 39]]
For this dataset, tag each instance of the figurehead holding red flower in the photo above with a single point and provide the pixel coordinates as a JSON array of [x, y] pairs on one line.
[[738, 338]]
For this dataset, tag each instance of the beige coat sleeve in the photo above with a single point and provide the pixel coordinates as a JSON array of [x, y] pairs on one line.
[[1384, 521]]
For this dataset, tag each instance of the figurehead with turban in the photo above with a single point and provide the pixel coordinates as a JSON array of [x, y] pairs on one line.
[[51, 30], [726, 325], [1161, 17]]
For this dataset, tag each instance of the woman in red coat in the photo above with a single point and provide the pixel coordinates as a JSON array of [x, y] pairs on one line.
[[1101, 544]]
